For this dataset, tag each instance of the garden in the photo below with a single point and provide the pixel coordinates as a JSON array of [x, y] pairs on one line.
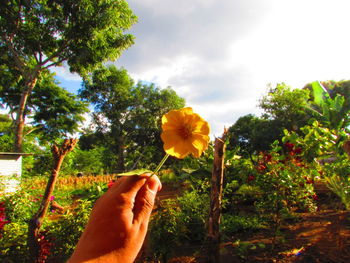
[[286, 201], [270, 188]]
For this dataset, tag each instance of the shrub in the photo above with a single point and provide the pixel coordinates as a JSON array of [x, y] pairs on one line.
[[13, 243], [232, 224], [178, 222], [66, 232]]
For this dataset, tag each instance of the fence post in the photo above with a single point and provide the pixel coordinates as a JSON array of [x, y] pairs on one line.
[[215, 199]]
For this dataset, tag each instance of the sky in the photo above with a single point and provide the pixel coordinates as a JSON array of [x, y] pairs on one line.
[[221, 56]]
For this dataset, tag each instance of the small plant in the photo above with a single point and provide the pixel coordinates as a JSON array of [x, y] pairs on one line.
[[13, 243], [286, 182], [66, 232], [177, 222], [337, 178], [232, 224]]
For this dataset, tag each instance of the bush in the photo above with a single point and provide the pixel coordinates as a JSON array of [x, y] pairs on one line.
[[232, 224], [66, 232], [21, 206], [13, 243], [178, 222]]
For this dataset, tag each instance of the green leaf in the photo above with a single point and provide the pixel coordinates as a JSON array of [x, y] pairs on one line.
[[319, 92], [135, 172]]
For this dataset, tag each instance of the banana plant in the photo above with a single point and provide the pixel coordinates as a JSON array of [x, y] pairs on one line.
[[329, 110]]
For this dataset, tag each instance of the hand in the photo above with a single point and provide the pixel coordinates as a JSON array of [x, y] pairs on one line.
[[118, 222]]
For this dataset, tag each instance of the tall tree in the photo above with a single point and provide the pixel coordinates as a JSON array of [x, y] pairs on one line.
[[52, 110], [36, 35], [286, 106], [253, 134], [127, 115]]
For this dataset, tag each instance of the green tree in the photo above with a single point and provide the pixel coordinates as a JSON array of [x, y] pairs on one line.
[[51, 109], [6, 138], [36, 35], [127, 116], [330, 106], [286, 106], [252, 134]]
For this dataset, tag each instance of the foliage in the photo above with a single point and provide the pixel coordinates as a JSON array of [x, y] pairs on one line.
[[166, 229], [286, 181], [233, 224], [324, 139], [13, 243], [127, 116], [66, 232], [331, 111], [21, 205], [52, 110], [37, 35], [337, 178], [83, 33], [88, 162], [252, 134], [177, 222], [6, 138], [286, 106]]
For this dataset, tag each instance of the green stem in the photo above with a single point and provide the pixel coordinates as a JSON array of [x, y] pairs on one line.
[[161, 163]]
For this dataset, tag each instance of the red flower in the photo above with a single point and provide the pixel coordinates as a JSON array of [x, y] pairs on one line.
[[289, 146], [267, 158], [261, 167], [298, 150], [45, 247], [251, 178], [3, 220]]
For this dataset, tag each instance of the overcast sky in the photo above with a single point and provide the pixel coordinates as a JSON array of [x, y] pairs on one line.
[[221, 55]]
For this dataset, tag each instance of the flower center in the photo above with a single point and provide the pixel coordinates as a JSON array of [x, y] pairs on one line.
[[185, 131]]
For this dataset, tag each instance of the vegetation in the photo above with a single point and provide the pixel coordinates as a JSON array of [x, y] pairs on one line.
[[273, 162], [37, 35]]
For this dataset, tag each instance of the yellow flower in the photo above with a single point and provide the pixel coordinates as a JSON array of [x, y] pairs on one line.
[[184, 132]]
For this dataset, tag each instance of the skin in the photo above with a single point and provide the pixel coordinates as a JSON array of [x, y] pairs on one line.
[[118, 222]]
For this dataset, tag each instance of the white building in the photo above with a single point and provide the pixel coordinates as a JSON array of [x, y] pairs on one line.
[[10, 171]]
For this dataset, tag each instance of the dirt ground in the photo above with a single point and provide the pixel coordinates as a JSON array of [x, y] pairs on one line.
[[320, 237]]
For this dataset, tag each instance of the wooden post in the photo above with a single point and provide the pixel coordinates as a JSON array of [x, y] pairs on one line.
[[37, 220], [215, 199]]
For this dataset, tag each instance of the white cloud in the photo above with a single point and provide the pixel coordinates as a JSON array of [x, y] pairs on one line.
[[221, 55]]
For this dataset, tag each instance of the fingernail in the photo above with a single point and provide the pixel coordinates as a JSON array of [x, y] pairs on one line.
[[153, 185]]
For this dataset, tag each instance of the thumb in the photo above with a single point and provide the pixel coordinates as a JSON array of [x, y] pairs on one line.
[[144, 200]]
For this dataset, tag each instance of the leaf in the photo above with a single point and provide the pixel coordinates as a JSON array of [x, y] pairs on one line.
[[319, 92], [137, 172], [188, 170]]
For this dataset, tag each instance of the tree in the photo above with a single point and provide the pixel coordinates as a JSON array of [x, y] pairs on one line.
[[330, 103], [127, 116], [37, 35], [5, 133], [286, 106], [52, 110], [252, 134]]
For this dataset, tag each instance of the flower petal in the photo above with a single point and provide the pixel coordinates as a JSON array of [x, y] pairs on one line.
[[200, 143], [184, 132]]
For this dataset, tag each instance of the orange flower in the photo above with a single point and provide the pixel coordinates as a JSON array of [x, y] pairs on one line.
[[184, 133]]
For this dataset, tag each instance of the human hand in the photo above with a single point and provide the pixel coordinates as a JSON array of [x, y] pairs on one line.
[[118, 222]]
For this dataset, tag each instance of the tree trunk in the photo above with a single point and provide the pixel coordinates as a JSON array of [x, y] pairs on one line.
[[215, 199], [36, 221], [20, 118]]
